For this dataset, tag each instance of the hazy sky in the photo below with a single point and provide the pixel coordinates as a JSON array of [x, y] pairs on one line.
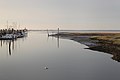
[[65, 14]]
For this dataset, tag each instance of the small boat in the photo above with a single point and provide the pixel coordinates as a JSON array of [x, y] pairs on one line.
[[21, 34]]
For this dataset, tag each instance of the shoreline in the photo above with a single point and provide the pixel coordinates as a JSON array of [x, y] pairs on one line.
[[103, 42]]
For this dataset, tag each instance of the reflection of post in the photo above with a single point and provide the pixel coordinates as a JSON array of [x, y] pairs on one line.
[[58, 38], [58, 41], [1, 43], [47, 32], [47, 38], [10, 48], [13, 44]]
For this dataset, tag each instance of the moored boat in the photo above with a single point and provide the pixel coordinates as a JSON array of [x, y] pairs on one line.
[[8, 37]]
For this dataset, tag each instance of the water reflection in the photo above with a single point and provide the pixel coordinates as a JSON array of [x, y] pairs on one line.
[[58, 40], [67, 63], [1, 43], [11, 45]]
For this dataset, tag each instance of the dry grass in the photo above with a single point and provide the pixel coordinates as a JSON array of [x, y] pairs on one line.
[[114, 39], [109, 38]]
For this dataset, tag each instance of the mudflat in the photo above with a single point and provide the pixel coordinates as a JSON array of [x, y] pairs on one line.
[[103, 42]]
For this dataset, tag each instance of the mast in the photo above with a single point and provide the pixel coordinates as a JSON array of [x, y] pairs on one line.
[[7, 24], [18, 26]]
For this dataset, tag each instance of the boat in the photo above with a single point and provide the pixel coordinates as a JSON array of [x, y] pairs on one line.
[[21, 33], [8, 37]]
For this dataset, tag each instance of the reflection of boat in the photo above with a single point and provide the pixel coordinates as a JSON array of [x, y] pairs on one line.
[[10, 47], [8, 37]]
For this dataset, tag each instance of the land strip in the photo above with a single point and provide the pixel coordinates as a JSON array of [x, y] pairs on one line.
[[103, 42]]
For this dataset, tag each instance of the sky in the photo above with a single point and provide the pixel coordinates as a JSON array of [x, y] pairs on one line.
[[65, 14]]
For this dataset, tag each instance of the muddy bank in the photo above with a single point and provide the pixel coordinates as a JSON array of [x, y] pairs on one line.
[[103, 42]]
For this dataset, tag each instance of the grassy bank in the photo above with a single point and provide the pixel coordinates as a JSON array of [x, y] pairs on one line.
[[106, 38]]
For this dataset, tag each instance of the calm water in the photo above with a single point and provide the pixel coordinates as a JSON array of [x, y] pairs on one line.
[[25, 59]]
